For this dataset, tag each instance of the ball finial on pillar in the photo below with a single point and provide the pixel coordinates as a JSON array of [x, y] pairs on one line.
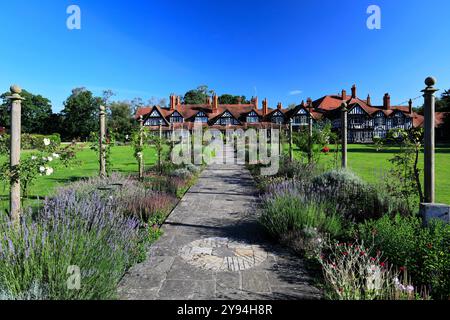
[[430, 81], [15, 89]]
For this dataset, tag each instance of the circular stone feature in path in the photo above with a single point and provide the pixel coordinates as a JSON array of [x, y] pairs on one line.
[[223, 254]]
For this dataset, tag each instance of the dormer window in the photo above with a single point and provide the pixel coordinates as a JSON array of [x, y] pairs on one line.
[[278, 118], [201, 118], [154, 119], [176, 118], [227, 119], [380, 119], [301, 118], [398, 119], [252, 117]]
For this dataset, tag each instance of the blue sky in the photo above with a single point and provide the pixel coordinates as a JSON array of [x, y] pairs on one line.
[[285, 50]]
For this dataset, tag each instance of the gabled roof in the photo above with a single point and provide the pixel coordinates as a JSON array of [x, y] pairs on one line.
[[224, 110], [316, 115]]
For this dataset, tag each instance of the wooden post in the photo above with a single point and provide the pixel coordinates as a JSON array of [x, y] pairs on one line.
[[141, 145], [16, 111], [280, 141], [291, 150], [102, 142], [344, 134], [310, 136], [160, 145], [429, 124]]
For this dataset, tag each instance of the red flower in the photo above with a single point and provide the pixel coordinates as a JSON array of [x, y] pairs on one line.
[[383, 264], [326, 149], [362, 253], [345, 253], [402, 269], [372, 259]]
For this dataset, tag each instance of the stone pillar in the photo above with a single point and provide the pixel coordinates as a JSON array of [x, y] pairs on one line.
[[102, 148], [310, 137], [429, 124], [280, 141], [141, 145], [344, 135], [16, 125], [160, 145], [291, 150]]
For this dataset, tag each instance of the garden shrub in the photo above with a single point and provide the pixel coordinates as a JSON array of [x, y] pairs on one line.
[[181, 173], [130, 196], [89, 233], [423, 251], [292, 216], [356, 200]]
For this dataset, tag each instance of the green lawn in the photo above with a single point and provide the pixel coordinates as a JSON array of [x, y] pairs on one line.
[[122, 159], [363, 159], [372, 165]]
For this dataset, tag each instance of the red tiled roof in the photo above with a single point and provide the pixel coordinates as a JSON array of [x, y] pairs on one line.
[[440, 117]]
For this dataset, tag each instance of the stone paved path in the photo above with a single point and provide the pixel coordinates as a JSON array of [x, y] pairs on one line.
[[214, 248]]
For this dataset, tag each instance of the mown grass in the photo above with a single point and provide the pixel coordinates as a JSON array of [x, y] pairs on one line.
[[122, 159], [373, 165]]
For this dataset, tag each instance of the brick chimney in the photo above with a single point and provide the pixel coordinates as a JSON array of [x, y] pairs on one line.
[[208, 100], [178, 101], [387, 101], [172, 102], [215, 103], [265, 109], [369, 100], [255, 102], [309, 102], [279, 106], [344, 95], [354, 91], [410, 105]]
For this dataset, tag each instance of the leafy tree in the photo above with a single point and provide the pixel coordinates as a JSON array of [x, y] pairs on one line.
[[442, 103], [36, 112], [197, 96], [230, 99], [121, 120], [80, 114]]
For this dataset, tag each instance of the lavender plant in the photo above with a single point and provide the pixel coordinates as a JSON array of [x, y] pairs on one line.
[[89, 233]]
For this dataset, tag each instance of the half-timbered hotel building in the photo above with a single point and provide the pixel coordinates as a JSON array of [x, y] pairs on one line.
[[365, 121]]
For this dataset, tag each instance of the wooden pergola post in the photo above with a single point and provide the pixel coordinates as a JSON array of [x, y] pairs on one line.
[[291, 150], [344, 128], [16, 125], [141, 145], [102, 147], [429, 123], [310, 138]]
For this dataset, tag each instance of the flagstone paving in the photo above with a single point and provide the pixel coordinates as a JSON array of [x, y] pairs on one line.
[[214, 248]]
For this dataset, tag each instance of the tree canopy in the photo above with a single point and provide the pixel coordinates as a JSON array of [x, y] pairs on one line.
[[36, 112], [120, 120], [80, 114]]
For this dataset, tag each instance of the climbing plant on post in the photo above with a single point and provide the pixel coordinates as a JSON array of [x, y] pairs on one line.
[[139, 147], [102, 141], [344, 134], [16, 111], [291, 150]]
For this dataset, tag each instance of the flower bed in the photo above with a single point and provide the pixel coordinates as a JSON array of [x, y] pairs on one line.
[[368, 244], [81, 242]]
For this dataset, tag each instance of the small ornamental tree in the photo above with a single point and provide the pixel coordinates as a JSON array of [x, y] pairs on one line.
[[108, 142], [322, 137], [40, 162], [405, 172]]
